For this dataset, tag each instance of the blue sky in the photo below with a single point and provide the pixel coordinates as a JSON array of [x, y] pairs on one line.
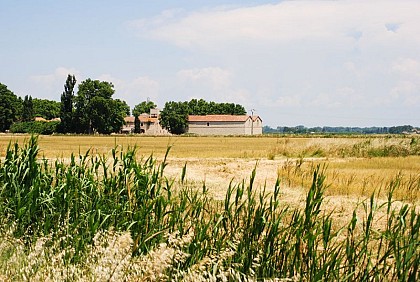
[[312, 63]]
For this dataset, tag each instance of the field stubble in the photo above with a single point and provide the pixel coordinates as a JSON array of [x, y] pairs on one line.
[[357, 166]]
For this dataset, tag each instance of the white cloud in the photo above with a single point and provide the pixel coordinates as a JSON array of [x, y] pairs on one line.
[[134, 91], [407, 66], [324, 57], [287, 21], [52, 80], [288, 101], [406, 89], [405, 92], [212, 84], [215, 77]]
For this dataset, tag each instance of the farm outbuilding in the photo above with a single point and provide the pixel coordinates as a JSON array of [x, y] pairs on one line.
[[149, 124], [225, 125]]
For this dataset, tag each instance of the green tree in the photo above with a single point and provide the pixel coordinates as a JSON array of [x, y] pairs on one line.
[[92, 94], [174, 117], [143, 107], [45, 108], [137, 128], [239, 110], [27, 109], [96, 111], [10, 107], [198, 107], [66, 107], [119, 110], [201, 107]]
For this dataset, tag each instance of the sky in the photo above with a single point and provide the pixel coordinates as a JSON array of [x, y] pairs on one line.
[[312, 63]]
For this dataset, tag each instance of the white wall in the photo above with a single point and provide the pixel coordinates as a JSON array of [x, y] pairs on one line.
[[217, 128]]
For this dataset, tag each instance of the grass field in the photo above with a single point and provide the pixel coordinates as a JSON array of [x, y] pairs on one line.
[[356, 165], [228, 147], [215, 208]]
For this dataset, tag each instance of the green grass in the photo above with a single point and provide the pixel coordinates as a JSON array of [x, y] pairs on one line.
[[55, 213]]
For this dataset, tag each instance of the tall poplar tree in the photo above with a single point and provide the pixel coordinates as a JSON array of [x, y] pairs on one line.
[[137, 128], [28, 109], [66, 112]]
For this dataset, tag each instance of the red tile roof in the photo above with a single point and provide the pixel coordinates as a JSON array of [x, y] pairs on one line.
[[148, 119], [141, 118], [223, 118], [207, 118], [129, 119]]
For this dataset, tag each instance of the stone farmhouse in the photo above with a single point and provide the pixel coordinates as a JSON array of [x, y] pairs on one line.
[[149, 124], [225, 125], [200, 125]]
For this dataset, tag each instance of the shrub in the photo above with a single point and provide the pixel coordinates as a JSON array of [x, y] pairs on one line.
[[35, 127]]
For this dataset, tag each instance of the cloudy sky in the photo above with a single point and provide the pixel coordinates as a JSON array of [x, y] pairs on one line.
[[312, 63]]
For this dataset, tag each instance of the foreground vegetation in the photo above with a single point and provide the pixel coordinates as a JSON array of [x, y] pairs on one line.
[[114, 217]]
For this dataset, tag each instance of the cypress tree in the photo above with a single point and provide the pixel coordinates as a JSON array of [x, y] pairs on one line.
[[66, 111], [28, 109]]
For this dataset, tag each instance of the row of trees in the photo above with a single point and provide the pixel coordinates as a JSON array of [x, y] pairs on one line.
[[15, 109], [174, 116], [300, 129], [44, 108], [93, 110]]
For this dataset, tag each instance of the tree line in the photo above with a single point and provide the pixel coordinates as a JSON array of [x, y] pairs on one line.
[[174, 116], [300, 129], [94, 110], [14, 108]]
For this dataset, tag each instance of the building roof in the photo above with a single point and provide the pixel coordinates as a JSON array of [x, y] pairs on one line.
[[148, 119], [142, 118], [222, 118], [40, 119], [129, 119]]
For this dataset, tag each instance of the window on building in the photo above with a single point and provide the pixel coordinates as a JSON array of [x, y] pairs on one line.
[[208, 124]]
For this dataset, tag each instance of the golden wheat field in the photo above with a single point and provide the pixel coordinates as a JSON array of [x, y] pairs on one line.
[[355, 165]]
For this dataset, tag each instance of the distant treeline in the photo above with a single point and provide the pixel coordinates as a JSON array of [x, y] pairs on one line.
[[300, 129], [92, 109]]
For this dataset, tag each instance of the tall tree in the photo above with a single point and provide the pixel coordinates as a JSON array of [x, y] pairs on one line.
[[143, 107], [96, 111], [91, 96], [137, 128], [66, 110], [119, 110], [27, 109], [174, 117], [10, 107]]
